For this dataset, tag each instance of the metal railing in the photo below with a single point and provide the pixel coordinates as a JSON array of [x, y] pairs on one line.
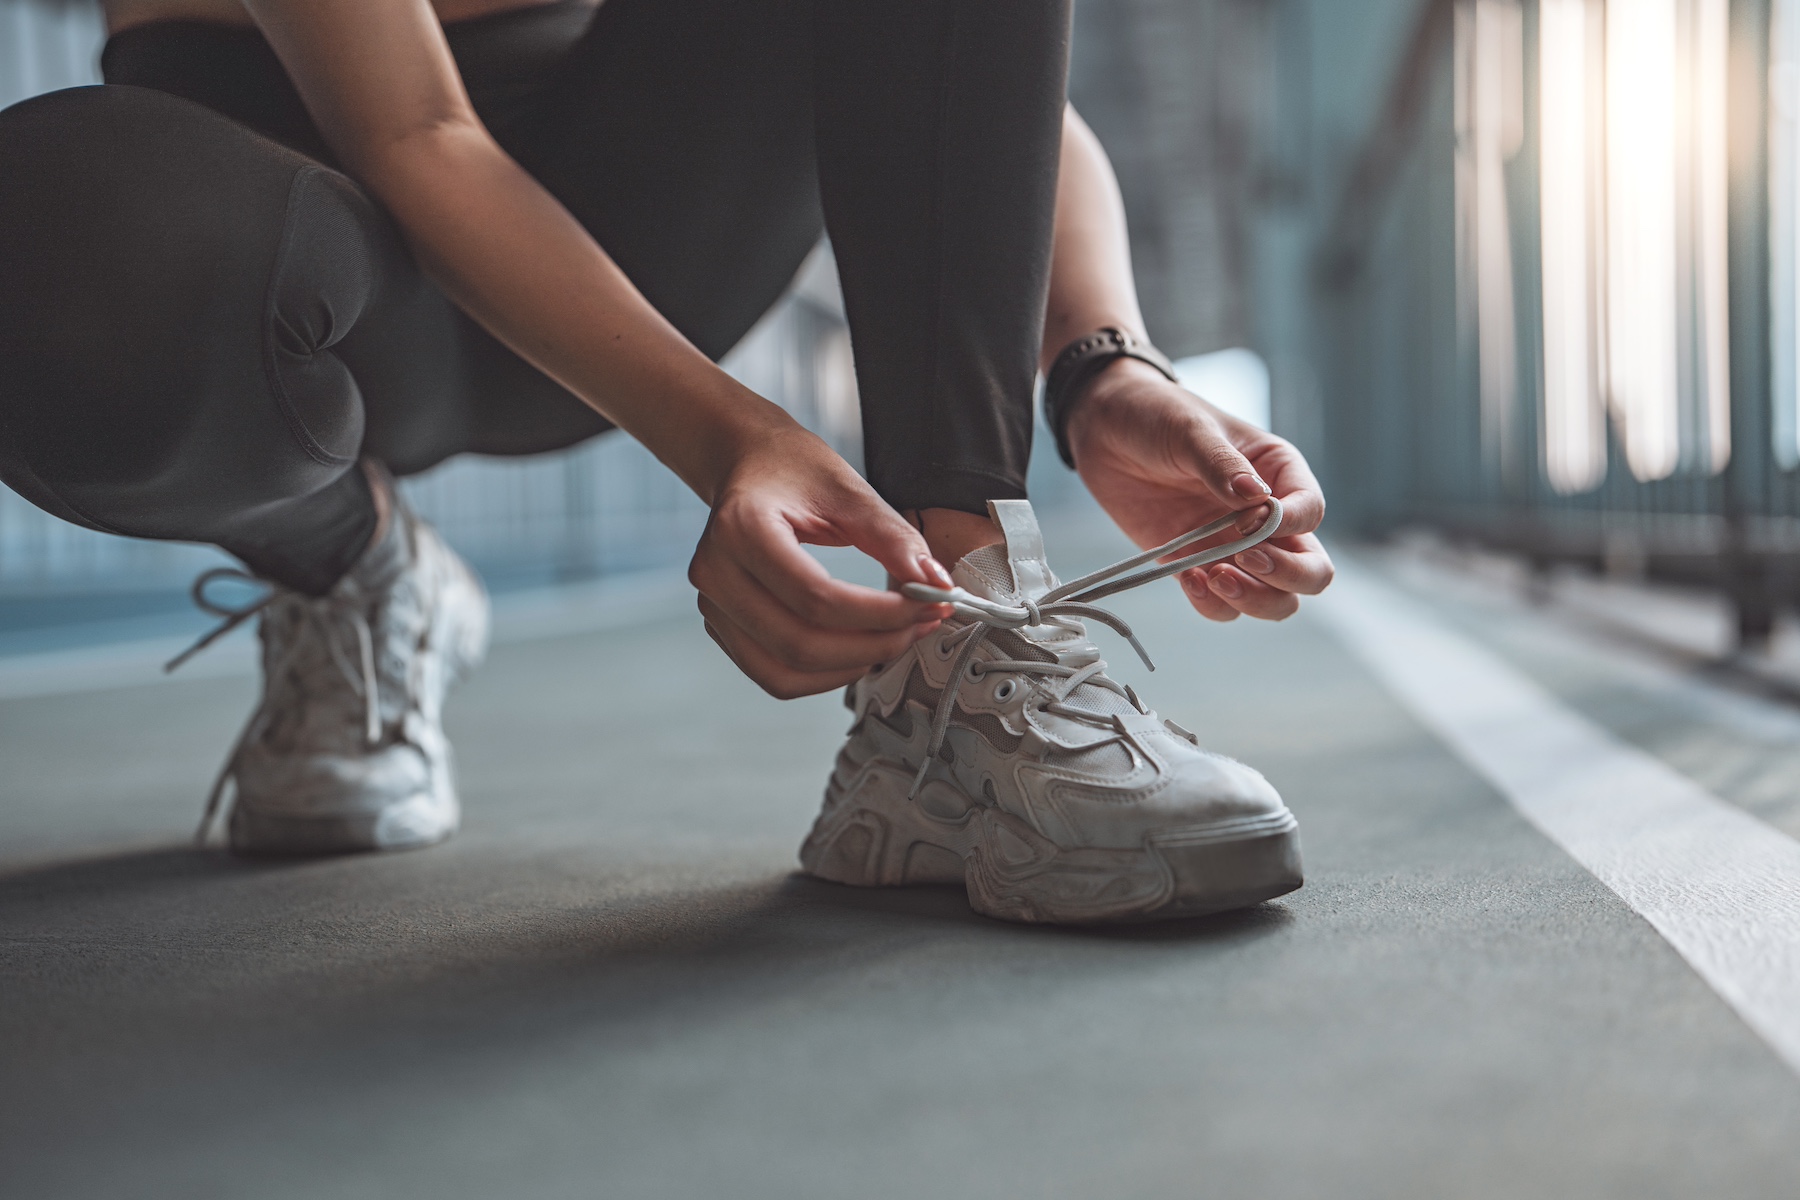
[[1498, 186]]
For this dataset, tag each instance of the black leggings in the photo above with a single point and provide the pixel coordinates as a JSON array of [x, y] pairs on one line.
[[204, 324]]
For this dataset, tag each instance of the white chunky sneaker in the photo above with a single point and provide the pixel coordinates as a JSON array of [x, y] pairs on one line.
[[996, 753], [346, 750]]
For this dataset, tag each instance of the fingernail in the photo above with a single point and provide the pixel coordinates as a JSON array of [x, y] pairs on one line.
[[1250, 522], [1251, 487], [1256, 562], [1226, 585], [934, 571]]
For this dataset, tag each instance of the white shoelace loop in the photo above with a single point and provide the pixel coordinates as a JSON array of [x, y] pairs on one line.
[[1056, 607]]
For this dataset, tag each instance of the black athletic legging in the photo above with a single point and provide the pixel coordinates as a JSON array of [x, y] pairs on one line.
[[204, 324]]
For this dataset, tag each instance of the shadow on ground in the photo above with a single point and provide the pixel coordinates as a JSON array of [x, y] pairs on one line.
[[357, 958]]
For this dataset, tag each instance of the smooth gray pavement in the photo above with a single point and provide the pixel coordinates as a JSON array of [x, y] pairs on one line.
[[613, 985]]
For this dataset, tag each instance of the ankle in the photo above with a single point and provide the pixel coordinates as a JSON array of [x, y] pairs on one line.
[[309, 543], [381, 492], [951, 533]]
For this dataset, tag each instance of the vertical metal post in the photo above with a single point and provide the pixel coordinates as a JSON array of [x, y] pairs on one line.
[[1744, 565]]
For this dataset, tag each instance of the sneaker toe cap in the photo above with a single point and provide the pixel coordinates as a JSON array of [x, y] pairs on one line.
[[1191, 794], [1211, 787]]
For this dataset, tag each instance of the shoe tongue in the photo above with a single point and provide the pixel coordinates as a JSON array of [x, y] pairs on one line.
[[1012, 570], [1007, 572], [987, 573]]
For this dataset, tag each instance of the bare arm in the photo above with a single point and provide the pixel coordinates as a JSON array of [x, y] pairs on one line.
[[1091, 286], [378, 78], [1159, 459]]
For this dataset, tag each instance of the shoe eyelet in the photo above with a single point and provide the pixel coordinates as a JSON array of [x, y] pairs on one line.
[[944, 651], [1005, 690]]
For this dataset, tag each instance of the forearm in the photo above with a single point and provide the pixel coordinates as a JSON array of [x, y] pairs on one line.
[[380, 81], [1091, 285], [516, 261]]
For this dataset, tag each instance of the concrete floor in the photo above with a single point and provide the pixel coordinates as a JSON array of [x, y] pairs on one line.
[[613, 985]]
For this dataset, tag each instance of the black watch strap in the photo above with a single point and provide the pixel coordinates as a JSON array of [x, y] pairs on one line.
[[1078, 363]]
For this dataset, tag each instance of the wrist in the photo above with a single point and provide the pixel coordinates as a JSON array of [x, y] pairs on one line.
[[712, 431], [1080, 363], [1061, 329], [751, 427], [1110, 382]]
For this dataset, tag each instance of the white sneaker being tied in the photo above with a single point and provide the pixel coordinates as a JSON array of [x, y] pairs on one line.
[[346, 750], [998, 754]]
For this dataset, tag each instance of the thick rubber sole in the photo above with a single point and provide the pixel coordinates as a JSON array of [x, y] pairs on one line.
[[408, 825], [866, 837]]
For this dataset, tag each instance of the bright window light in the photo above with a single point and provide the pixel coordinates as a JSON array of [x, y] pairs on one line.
[[1712, 183], [1784, 235], [1642, 355], [1574, 420], [1635, 302]]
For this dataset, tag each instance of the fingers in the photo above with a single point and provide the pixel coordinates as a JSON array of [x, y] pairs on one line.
[[785, 621], [763, 547], [1199, 593], [1268, 581], [773, 607], [795, 644], [1297, 565], [1207, 452], [1292, 481], [888, 538], [780, 681], [1250, 596], [1255, 464]]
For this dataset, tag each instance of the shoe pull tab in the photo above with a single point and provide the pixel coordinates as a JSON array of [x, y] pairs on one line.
[[1024, 546]]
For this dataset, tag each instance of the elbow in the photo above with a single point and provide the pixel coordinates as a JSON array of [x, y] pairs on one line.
[[423, 149]]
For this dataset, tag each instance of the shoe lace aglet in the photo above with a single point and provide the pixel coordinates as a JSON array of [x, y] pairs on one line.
[[212, 809], [919, 779], [1141, 652]]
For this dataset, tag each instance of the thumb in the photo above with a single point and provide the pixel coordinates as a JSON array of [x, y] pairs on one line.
[[1211, 458], [885, 536]]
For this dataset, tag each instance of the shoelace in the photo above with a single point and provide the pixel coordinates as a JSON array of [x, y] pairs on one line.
[[1062, 606], [327, 614]]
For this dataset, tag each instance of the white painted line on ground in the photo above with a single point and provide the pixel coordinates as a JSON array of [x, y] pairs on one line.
[[1721, 886], [562, 611]]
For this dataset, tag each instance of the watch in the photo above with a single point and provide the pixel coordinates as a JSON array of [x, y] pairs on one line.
[[1079, 362]]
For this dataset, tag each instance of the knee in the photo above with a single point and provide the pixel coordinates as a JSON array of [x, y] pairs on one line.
[[335, 251], [170, 286]]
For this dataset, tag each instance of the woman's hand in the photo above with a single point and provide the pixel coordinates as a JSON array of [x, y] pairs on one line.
[[1162, 461], [781, 617]]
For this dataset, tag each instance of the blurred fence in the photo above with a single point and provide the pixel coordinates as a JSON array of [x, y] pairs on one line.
[[603, 507], [1557, 297]]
